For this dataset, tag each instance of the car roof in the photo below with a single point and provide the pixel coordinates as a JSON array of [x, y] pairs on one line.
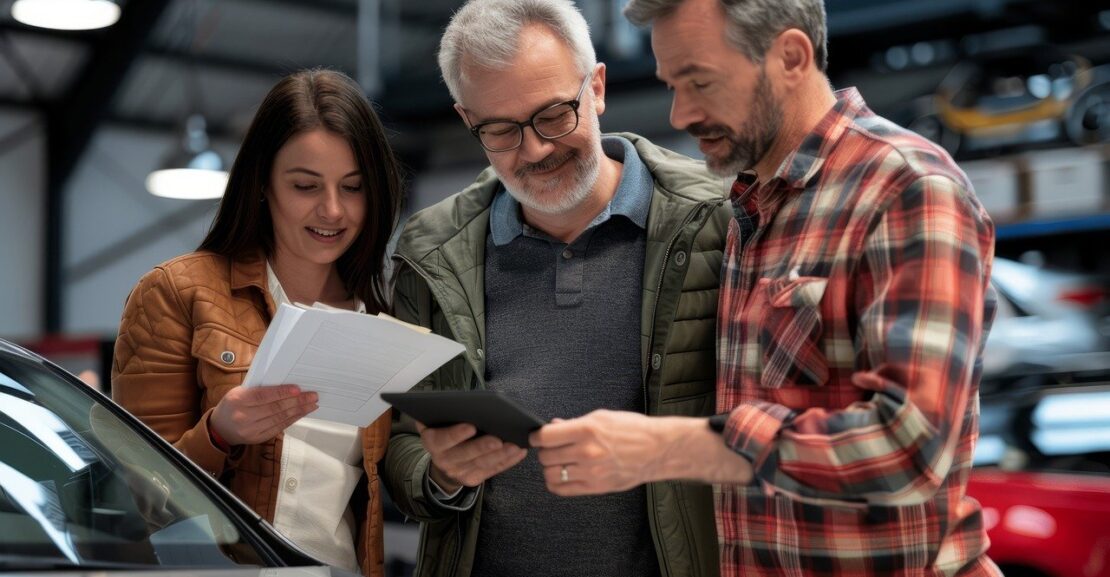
[[12, 348]]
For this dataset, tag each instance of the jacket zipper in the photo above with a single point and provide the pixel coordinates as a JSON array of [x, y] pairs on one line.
[[458, 545], [421, 548], [458, 528], [654, 523], [651, 343], [439, 297], [658, 293]]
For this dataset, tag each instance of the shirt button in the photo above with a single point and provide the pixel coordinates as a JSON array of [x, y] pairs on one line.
[[680, 258], [291, 485], [568, 254], [227, 357], [656, 361]]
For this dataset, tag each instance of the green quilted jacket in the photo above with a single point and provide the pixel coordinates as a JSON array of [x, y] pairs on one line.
[[439, 276]]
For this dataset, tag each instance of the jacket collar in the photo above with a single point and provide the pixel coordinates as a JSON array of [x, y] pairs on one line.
[[251, 272], [248, 272], [447, 241], [678, 177]]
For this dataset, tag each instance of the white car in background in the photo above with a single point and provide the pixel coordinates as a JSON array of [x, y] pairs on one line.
[[1047, 321]]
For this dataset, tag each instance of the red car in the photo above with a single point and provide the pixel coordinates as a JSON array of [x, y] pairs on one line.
[[1044, 479]]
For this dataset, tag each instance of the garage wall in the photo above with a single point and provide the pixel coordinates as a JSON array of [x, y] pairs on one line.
[[115, 231], [22, 223]]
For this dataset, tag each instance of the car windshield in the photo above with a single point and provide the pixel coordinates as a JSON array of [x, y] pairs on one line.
[[80, 486]]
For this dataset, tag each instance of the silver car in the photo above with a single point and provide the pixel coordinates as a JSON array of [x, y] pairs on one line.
[[85, 487], [1047, 321]]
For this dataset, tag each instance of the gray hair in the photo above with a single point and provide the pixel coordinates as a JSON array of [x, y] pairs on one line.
[[487, 33], [752, 24]]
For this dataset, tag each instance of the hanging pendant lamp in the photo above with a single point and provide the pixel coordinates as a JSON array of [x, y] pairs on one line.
[[193, 170], [66, 14]]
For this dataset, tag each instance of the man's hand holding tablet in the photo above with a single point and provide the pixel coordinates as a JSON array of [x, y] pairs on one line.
[[470, 435]]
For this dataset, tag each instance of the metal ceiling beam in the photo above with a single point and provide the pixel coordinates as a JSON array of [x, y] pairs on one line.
[[229, 63], [332, 7], [215, 130], [138, 240], [13, 102], [20, 66], [81, 36], [425, 19], [71, 122], [223, 63], [17, 137], [220, 62]]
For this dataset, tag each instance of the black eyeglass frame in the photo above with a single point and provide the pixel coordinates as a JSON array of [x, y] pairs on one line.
[[531, 122]]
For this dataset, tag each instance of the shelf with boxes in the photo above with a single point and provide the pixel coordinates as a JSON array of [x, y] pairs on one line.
[[1044, 192]]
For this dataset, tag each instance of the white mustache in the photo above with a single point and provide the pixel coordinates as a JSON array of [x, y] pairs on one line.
[[543, 165]]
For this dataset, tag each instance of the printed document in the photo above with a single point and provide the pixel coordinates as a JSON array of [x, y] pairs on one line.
[[347, 357]]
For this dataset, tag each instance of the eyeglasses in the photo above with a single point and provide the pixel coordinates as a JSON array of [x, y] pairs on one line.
[[555, 121]]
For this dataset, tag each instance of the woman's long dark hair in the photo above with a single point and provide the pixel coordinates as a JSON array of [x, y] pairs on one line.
[[308, 100]]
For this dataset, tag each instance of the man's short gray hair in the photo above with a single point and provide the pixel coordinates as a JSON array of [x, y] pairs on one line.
[[752, 24], [487, 33]]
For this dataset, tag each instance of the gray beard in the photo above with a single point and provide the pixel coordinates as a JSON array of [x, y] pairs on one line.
[[556, 196]]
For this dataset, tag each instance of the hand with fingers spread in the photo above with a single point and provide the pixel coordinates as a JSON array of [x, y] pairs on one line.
[[459, 459], [252, 415]]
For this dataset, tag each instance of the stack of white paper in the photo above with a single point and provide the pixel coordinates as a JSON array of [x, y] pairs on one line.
[[346, 357]]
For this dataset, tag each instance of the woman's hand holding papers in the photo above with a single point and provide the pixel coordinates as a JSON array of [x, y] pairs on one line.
[[460, 459], [252, 415]]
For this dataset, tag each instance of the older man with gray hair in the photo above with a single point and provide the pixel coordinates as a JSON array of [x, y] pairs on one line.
[[581, 271]]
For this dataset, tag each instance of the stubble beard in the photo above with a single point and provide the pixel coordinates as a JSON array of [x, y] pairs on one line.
[[750, 144]]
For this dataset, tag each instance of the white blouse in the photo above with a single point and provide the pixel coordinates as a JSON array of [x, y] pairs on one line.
[[321, 465]]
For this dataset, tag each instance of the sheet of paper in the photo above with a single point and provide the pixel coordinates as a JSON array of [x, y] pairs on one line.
[[346, 357], [279, 328]]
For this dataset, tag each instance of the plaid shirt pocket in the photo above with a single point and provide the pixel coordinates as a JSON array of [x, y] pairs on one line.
[[790, 330]]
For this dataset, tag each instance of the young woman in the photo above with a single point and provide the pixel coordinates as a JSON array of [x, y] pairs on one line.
[[310, 205]]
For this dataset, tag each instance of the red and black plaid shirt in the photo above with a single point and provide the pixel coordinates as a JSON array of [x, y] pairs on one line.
[[852, 322]]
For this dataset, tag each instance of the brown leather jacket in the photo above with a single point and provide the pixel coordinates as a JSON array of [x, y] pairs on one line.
[[171, 368]]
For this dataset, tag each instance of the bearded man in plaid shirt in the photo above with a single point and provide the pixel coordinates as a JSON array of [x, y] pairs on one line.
[[853, 310]]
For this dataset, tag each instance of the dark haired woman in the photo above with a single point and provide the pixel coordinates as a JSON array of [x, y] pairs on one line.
[[310, 204]]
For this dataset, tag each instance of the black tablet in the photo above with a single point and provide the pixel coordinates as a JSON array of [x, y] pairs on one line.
[[491, 412]]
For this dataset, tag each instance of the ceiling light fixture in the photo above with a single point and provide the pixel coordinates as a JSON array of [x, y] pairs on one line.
[[66, 14], [193, 170]]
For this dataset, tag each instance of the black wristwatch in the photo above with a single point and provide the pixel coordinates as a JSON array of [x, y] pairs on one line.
[[718, 422]]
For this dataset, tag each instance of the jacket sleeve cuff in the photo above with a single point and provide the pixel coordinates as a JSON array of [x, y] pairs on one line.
[[462, 500], [197, 445], [420, 484], [753, 429]]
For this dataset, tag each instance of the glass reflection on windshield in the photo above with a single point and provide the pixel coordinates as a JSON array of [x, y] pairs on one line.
[[78, 483]]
